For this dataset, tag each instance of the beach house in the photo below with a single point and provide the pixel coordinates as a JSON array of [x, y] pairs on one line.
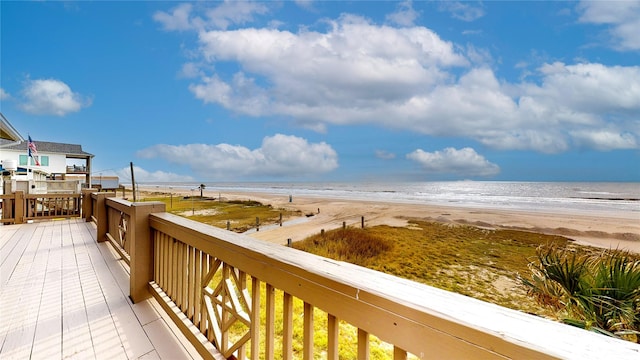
[[37, 161]]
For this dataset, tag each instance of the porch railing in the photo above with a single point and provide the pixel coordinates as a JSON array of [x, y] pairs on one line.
[[237, 297], [19, 207]]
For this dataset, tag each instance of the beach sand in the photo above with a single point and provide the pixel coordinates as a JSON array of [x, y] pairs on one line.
[[610, 231]]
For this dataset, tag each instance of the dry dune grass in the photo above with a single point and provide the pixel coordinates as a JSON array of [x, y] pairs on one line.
[[482, 263]]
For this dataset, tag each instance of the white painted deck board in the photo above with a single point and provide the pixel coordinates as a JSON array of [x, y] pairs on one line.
[[11, 253], [22, 313], [47, 343], [76, 337], [6, 235], [63, 295]]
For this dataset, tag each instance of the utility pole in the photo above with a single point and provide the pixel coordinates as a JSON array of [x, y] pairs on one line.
[[133, 182]]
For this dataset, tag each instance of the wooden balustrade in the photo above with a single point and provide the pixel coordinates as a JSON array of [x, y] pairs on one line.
[[13, 208], [118, 214], [222, 289], [236, 297], [19, 207], [50, 206]]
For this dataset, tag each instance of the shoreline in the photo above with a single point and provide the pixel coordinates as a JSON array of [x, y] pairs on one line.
[[603, 230]]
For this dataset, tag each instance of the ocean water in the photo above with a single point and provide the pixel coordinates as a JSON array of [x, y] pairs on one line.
[[616, 199]]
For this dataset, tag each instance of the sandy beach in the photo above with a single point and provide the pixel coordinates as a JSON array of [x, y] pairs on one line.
[[621, 231]]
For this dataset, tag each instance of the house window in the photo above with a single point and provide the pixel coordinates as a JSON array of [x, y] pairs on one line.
[[43, 159]]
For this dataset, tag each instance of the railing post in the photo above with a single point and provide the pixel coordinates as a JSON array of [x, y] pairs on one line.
[[141, 249], [19, 209], [101, 215], [87, 204]]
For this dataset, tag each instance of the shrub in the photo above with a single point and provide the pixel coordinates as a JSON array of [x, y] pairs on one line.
[[599, 292], [357, 246]]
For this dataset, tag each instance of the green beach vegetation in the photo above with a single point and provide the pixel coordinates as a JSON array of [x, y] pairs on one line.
[[596, 291], [240, 214]]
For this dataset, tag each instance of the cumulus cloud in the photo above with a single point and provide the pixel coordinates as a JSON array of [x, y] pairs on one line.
[[604, 139], [4, 95], [51, 97], [339, 76], [621, 17], [144, 176], [409, 78], [463, 162], [279, 156]]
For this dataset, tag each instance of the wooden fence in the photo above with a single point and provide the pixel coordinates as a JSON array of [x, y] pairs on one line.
[[236, 297]]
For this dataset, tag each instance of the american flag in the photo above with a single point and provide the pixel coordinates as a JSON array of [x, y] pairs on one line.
[[33, 152]]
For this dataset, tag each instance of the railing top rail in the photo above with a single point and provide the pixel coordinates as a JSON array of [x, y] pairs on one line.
[[52, 196], [95, 194], [418, 318], [122, 202]]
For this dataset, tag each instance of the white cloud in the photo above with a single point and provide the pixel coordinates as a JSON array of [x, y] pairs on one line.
[[242, 94], [232, 12], [4, 95], [408, 78], [51, 97], [306, 4], [604, 140], [338, 76], [190, 70], [183, 17], [464, 11], [279, 156], [463, 162], [405, 15], [178, 19], [589, 88], [144, 176], [385, 155], [622, 17]]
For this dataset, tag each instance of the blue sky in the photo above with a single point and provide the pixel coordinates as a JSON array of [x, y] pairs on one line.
[[331, 91]]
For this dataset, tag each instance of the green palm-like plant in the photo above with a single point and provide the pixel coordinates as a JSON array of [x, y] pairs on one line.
[[598, 292]]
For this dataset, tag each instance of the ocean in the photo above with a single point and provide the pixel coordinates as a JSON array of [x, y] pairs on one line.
[[607, 198]]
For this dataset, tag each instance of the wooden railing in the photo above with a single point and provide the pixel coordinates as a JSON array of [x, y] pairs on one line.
[[50, 206], [19, 207], [118, 220], [13, 208], [236, 297]]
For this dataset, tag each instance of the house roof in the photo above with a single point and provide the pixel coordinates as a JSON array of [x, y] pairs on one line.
[[70, 150], [10, 139], [7, 131]]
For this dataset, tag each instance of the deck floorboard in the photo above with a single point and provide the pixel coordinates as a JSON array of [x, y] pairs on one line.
[[63, 295]]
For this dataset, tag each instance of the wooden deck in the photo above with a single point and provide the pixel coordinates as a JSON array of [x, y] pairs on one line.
[[63, 295]]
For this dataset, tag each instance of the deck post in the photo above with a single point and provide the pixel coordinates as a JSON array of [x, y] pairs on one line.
[[101, 214], [19, 209], [87, 204], [141, 249]]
